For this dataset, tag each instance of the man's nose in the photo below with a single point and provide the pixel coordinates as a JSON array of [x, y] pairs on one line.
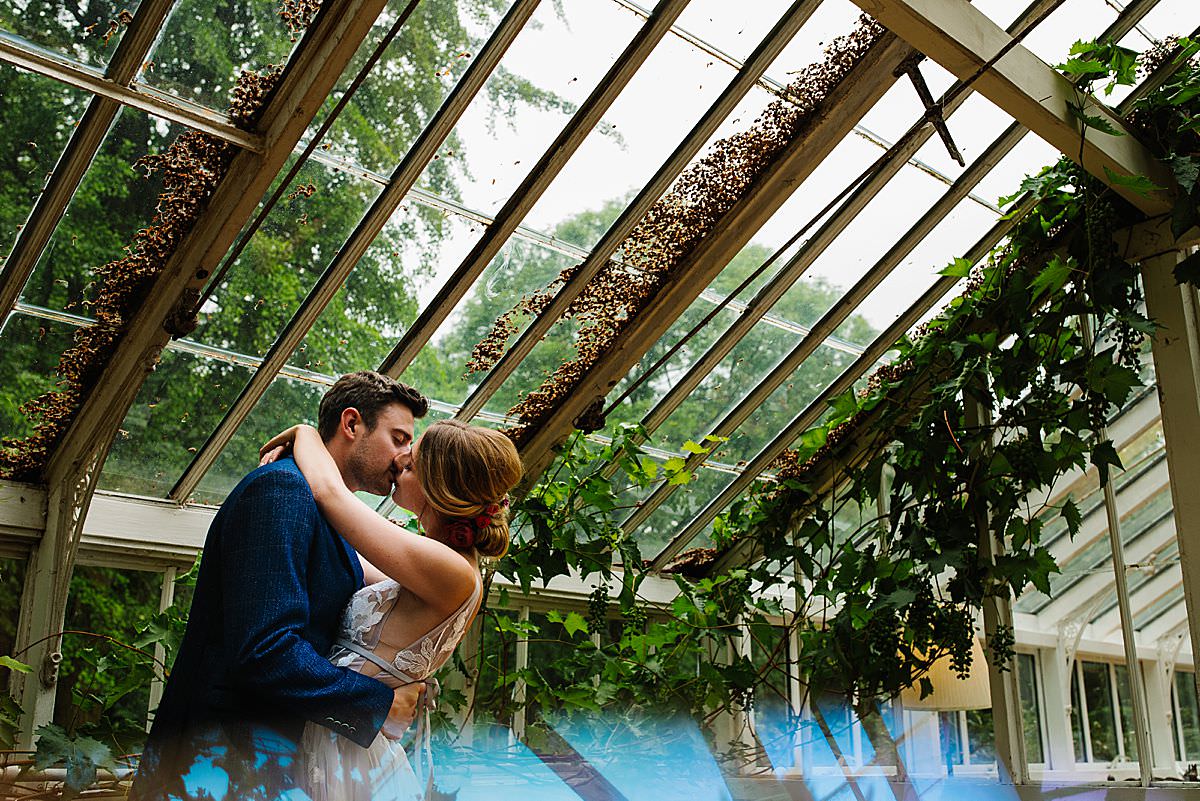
[[403, 457]]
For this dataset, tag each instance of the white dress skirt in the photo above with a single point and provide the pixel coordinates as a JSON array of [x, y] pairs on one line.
[[338, 769]]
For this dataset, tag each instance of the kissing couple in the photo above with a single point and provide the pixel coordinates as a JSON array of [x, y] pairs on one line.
[[315, 621]]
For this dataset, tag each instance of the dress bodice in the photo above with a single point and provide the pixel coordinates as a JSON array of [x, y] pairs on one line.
[[364, 620]]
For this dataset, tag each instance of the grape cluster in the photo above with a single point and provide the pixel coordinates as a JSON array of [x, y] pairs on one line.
[[597, 609], [634, 622]]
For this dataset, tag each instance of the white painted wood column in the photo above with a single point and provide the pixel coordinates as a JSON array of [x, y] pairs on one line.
[[997, 615], [1177, 367], [522, 662], [1157, 680], [165, 599], [1056, 691]]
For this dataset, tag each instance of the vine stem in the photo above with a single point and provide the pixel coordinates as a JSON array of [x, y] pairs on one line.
[[112, 640]]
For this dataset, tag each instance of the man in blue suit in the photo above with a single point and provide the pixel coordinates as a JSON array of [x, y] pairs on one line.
[[273, 582]]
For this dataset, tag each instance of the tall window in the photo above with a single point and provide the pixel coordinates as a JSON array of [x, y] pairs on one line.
[[772, 710], [1187, 717], [968, 737], [1031, 708], [1102, 713]]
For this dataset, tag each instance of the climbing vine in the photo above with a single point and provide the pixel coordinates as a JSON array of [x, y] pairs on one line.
[[893, 521]]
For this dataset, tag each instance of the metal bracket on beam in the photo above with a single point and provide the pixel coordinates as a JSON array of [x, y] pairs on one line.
[[1168, 647], [1070, 631], [933, 111]]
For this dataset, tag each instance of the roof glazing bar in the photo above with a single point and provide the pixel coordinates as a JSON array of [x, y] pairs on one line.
[[405, 175], [816, 409], [85, 141], [19, 53], [791, 22], [548, 167]]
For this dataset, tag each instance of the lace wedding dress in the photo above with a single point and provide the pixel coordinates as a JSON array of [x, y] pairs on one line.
[[337, 769]]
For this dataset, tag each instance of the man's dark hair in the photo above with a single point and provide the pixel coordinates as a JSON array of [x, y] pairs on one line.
[[368, 392]]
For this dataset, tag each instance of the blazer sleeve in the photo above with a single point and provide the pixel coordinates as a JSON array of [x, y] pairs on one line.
[[264, 567]]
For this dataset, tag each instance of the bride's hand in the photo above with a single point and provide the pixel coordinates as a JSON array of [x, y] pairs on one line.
[[279, 445]]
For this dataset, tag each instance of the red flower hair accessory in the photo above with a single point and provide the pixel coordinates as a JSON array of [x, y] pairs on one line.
[[489, 513], [460, 534]]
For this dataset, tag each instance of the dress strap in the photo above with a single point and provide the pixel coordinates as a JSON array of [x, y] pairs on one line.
[[374, 659]]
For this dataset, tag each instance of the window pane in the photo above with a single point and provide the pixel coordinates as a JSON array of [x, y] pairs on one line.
[[12, 579], [103, 688], [1030, 708], [981, 736], [1189, 713], [493, 691], [1101, 724], [772, 713], [1077, 718], [951, 738], [840, 722], [1125, 699]]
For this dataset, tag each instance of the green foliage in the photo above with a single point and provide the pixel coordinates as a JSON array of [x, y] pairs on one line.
[[81, 756]]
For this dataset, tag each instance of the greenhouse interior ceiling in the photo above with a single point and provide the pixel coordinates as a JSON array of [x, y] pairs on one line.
[[847, 347]]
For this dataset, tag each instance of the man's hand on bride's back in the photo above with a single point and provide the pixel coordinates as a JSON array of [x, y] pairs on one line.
[[403, 711], [278, 446]]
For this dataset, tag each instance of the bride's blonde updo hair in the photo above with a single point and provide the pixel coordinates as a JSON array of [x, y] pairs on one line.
[[464, 471]]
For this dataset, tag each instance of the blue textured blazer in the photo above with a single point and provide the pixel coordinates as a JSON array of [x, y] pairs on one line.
[[273, 583]]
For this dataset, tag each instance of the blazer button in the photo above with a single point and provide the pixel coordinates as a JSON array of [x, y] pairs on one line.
[[352, 730]]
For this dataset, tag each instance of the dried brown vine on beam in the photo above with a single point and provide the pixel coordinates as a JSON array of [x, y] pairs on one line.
[[191, 168], [670, 231]]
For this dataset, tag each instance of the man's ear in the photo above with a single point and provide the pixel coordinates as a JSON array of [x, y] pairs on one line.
[[352, 423]]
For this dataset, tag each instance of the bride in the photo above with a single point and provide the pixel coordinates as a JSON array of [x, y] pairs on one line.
[[421, 593]]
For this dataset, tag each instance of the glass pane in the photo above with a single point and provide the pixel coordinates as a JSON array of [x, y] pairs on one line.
[[407, 85], [950, 736], [114, 200], [1125, 700], [1097, 690], [728, 28], [623, 152], [1070, 22], [205, 46], [283, 260], [981, 736], [12, 579], [550, 69], [382, 296], [1077, 717], [840, 722], [87, 32], [1189, 713], [493, 708], [37, 116], [29, 350], [108, 686], [180, 403], [772, 710], [1031, 708]]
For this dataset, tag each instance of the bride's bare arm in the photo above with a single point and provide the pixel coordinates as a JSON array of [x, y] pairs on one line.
[[430, 570]]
